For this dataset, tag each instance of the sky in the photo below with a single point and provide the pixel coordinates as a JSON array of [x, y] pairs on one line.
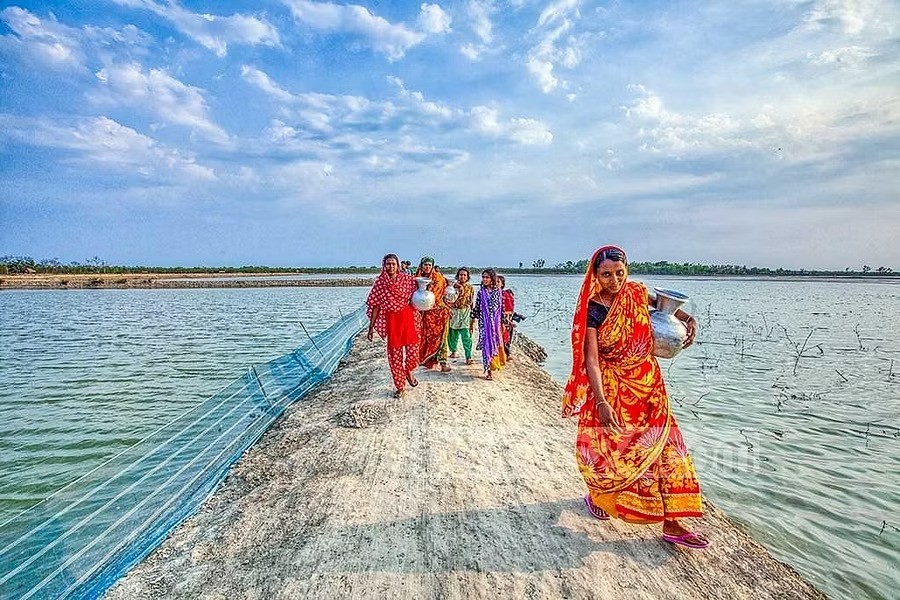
[[309, 133]]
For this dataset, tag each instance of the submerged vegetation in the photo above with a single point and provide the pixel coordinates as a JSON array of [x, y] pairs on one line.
[[19, 265]]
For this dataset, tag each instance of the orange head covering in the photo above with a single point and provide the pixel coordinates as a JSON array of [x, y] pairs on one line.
[[577, 386]]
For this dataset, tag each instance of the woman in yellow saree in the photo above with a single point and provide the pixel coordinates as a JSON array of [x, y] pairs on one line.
[[629, 448]]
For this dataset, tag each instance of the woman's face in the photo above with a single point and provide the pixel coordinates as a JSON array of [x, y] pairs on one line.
[[390, 266], [486, 280], [611, 274], [462, 277], [427, 268]]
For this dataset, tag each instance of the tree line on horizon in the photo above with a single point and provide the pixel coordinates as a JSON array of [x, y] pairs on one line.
[[19, 265]]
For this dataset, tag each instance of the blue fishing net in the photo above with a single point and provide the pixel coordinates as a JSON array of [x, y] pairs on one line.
[[76, 543]]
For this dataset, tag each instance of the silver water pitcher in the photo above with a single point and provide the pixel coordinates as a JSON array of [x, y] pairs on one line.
[[668, 332], [423, 298], [451, 294]]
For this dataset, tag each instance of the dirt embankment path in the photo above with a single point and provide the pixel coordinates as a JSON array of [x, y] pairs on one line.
[[464, 488]]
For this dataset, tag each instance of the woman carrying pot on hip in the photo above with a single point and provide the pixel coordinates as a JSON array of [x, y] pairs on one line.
[[629, 448]]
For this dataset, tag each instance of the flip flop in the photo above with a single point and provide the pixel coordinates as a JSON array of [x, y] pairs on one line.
[[398, 393], [412, 380], [596, 512], [689, 539]]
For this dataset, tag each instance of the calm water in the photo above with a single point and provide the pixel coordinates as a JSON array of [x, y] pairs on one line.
[[805, 453]]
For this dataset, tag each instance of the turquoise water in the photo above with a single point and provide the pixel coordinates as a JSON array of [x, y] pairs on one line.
[[809, 463], [85, 374]]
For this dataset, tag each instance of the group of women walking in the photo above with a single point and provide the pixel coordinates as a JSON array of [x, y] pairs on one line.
[[629, 449], [429, 338]]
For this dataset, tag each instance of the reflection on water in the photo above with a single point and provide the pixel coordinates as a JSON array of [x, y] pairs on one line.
[[790, 400]]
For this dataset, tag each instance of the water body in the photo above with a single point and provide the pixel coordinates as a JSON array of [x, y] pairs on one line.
[[300, 276], [790, 402]]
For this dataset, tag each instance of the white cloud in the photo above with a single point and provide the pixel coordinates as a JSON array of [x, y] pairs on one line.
[[556, 45], [558, 12], [213, 32], [542, 71], [433, 19], [421, 105], [480, 14], [848, 16], [392, 40], [263, 82], [103, 142], [320, 112], [44, 41], [486, 120], [610, 161], [676, 133], [129, 36], [157, 93], [799, 129], [470, 51], [851, 57]]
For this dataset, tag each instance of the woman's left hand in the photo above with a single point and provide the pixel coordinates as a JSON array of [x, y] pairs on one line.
[[691, 325]]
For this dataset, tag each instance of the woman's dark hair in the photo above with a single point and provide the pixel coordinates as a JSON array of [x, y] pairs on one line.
[[387, 256], [492, 274], [502, 280], [460, 270], [613, 254]]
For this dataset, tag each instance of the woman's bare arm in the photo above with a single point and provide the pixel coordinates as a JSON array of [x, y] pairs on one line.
[[375, 312]]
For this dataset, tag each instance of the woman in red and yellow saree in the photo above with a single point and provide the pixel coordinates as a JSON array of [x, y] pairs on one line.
[[393, 317], [629, 449], [433, 348]]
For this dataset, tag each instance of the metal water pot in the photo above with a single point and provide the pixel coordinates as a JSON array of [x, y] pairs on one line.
[[422, 298], [451, 294], [668, 332]]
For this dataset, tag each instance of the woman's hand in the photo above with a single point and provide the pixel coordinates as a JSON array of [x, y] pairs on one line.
[[608, 418], [370, 332], [691, 325]]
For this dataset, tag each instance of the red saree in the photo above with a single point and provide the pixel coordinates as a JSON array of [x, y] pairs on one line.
[[397, 319], [644, 474], [435, 324]]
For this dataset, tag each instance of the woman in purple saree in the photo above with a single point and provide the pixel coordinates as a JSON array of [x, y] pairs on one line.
[[490, 311]]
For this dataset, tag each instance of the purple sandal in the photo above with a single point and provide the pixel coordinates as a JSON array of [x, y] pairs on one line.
[[596, 512], [689, 539]]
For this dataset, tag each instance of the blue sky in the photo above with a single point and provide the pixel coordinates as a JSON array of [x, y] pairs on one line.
[[296, 132]]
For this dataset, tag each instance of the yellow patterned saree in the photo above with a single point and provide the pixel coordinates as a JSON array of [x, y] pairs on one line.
[[643, 474]]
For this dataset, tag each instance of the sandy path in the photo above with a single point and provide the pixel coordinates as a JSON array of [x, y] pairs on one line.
[[464, 488]]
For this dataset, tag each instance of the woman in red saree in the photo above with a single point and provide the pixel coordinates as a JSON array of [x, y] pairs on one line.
[[434, 347], [393, 317], [629, 449]]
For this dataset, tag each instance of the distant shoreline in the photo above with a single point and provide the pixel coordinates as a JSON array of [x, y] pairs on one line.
[[171, 281], [218, 280]]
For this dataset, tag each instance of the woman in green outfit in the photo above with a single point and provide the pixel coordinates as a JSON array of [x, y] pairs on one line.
[[461, 317]]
